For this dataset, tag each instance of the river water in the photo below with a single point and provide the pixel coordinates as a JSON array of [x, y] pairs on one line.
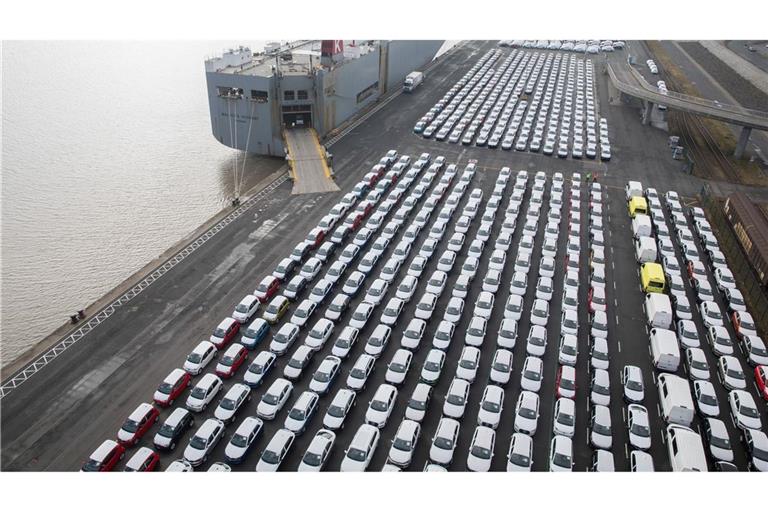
[[107, 160]]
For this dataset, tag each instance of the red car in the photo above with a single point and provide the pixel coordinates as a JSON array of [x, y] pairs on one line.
[[371, 178], [392, 176], [105, 457], [379, 170], [137, 424], [173, 386], [225, 332], [365, 207], [267, 289], [232, 359], [315, 237], [145, 459], [761, 379]]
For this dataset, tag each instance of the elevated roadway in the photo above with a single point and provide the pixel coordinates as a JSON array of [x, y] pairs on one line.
[[629, 81]]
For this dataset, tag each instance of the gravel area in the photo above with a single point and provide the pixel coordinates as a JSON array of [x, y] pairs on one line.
[[745, 93]]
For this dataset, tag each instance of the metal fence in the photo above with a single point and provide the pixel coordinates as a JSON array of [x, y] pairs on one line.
[[755, 295]]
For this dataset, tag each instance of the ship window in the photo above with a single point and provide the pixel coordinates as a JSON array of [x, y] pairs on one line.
[[301, 94], [230, 92], [289, 95], [259, 96]]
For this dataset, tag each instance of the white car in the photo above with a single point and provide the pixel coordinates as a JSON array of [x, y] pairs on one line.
[[345, 341], [433, 366], [246, 309], [318, 451], [469, 361], [501, 366], [706, 399], [710, 314], [413, 333], [274, 399], [259, 368], [284, 338], [600, 388], [461, 287], [443, 335], [456, 398], [639, 427], [540, 312], [419, 401], [756, 350], [547, 268], [404, 443], [481, 449], [378, 340], [531, 377], [518, 284], [339, 408], [319, 334], [696, 361], [536, 343], [687, 334], [454, 310], [407, 288], [199, 398], [446, 261], [634, 387], [568, 350], [600, 433], [476, 331], [392, 311], [744, 413], [718, 439], [325, 375], [436, 283], [202, 443], [247, 432], [527, 413], [544, 288], [426, 306], [302, 312], [491, 406], [520, 455], [561, 454], [301, 413], [376, 292], [381, 405], [235, 398], [564, 420], [198, 359], [361, 315], [360, 452], [398, 367], [444, 442], [730, 372]]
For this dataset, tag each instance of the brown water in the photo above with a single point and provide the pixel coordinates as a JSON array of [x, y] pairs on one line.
[[108, 160]]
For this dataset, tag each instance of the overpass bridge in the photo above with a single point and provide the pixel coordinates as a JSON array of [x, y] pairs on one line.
[[628, 80]]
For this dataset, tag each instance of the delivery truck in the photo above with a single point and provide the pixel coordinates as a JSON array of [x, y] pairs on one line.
[[412, 80]]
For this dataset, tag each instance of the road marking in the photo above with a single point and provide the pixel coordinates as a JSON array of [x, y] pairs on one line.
[[614, 268], [626, 450], [618, 344], [658, 408], [663, 435], [624, 414]]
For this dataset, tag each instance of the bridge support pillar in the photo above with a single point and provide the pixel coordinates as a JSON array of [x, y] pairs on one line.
[[741, 146], [647, 109]]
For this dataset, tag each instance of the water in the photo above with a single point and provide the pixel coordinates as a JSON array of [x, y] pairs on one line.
[[107, 161]]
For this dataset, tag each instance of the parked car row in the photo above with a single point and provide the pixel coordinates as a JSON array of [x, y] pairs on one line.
[[591, 46], [498, 106], [677, 345]]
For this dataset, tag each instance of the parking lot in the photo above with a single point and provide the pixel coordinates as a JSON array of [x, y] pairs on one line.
[[517, 197], [207, 288], [496, 102]]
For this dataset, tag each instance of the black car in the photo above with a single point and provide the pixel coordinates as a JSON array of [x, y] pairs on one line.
[[179, 421]]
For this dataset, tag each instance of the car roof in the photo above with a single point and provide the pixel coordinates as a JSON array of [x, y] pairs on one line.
[[176, 416], [234, 349], [103, 450], [206, 429], [407, 428], [264, 356], [279, 384], [305, 398], [174, 376], [248, 424], [280, 438], [237, 390], [142, 454], [207, 380], [203, 346]]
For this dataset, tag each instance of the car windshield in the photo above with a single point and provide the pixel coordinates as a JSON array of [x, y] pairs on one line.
[[453, 310], [600, 389], [481, 452], [759, 351], [270, 457], [273, 309], [198, 443], [501, 367], [455, 399], [194, 358], [130, 426], [520, 460], [297, 363], [402, 444], [634, 385], [491, 406], [432, 366], [322, 376], [699, 365], [475, 331], [531, 375], [242, 308], [708, 399], [746, 324], [239, 440], [198, 392], [397, 367], [166, 430], [569, 350], [375, 341], [378, 405], [301, 312], [219, 332], [227, 360], [468, 364], [360, 315], [336, 306], [714, 314], [166, 388], [601, 429], [750, 412], [297, 414], [357, 373], [561, 460], [535, 340], [735, 373], [356, 454], [390, 311], [228, 404], [312, 459], [567, 384], [640, 430], [270, 399]]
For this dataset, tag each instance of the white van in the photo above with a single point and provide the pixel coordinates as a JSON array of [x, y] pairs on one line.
[[675, 399], [633, 189], [664, 349], [658, 310], [686, 451], [645, 249], [641, 225]]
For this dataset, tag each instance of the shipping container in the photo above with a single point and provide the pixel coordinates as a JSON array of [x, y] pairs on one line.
[[751, 229]]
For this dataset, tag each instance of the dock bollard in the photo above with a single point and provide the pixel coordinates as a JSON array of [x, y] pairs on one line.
[[73, 318]]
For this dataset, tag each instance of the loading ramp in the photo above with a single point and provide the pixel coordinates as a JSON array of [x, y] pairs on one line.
[[309, 167]]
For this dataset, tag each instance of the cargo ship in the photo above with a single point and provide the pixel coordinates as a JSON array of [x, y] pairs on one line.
[[255, 96]]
